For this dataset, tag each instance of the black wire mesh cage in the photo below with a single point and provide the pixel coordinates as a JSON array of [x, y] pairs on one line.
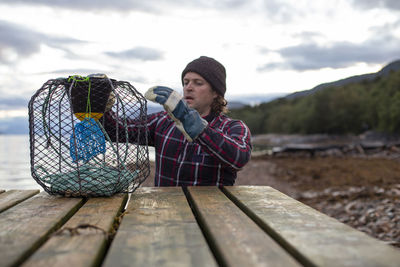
[[76, 149]]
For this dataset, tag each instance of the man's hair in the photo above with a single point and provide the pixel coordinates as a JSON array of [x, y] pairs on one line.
[[219, 105]]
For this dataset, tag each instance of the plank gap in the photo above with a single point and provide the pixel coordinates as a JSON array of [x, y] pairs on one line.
[[204, 229], [13, 197], [159, 229], [114, 229], [39, 242], [268, 230]]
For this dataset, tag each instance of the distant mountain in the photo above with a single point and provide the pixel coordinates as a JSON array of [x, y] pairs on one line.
[[350, 106], [238, 101], [393, 66], [20, 125], [234, 102]]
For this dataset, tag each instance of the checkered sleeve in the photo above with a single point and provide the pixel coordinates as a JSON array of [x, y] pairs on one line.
[[119, 130], [230, 142]]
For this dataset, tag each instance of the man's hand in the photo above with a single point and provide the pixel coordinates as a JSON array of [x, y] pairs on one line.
[[187, 120]]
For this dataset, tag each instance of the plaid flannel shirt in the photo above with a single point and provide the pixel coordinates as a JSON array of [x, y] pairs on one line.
[[213, 158]]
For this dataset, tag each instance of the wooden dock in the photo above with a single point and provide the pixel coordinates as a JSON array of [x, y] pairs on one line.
[[173, 226]]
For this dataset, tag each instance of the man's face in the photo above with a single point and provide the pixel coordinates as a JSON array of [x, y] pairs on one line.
[[197, 93]]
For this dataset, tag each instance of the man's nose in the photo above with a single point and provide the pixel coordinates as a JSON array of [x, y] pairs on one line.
[[188, 86]]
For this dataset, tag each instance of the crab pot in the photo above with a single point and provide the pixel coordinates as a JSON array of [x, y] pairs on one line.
[[76, 149]]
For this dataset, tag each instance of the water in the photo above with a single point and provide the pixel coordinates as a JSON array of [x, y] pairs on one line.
[[15, 163], [15, 170]]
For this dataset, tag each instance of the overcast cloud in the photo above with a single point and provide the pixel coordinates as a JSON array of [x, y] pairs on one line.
[[17, 42], [373, 4], [311, 56], [89, 5], [152, 6], [140, 53], [269, 46], [13, 103]]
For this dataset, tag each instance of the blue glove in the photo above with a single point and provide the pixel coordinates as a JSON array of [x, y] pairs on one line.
[[187, 120]]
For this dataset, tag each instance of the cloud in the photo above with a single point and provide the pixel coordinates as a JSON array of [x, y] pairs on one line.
[[371, 4], [307, 35], [151, 6], [140, 53], [87, 5], [311, 56], [16, 39], [282, 11], [111, 73], [133, 79], [279, 10], [231, 4], [73, 71], [18, 42], [10, 103]]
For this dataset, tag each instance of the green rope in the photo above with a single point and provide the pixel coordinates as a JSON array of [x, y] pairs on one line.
[[78, 78]]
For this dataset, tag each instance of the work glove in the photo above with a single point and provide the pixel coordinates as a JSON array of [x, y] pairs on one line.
[[187, 120]]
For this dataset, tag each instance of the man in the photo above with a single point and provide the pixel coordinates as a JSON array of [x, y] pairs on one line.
[[195, 143]]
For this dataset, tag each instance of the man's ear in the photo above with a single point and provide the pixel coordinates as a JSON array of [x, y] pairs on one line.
[[215, 94]]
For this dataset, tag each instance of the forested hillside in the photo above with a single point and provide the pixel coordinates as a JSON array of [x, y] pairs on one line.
[[351, 108]]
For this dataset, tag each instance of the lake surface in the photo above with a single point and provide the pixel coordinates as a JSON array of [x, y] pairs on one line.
[[15, 163], [15, 170]]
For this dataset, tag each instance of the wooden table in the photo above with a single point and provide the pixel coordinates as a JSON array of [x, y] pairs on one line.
[[195, 226]]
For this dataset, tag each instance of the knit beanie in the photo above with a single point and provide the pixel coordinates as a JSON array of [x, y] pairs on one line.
[[211, 70]]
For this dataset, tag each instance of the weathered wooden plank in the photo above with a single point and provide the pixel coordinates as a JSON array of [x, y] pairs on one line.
[[159, 229], [13, 197], [235, 238], [26, 226], [83, 239], [310, 235]]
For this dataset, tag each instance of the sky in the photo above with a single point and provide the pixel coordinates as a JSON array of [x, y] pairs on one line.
[[266, 46]]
